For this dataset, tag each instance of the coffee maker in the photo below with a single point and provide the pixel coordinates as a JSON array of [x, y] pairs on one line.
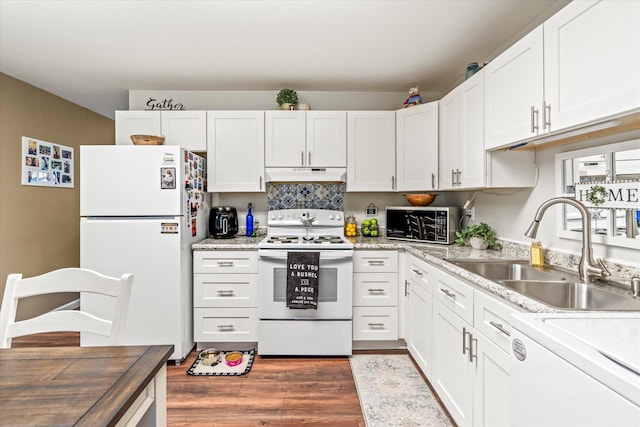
[[223, 222]]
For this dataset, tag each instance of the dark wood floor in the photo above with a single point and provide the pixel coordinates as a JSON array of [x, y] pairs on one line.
[[285, 392]]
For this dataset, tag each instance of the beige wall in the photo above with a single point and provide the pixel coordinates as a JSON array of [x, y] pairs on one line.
[[39, 226]]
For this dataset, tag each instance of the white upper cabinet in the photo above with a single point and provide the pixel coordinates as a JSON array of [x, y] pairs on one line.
[[305, 138], [285, 138], [327, 138], [591, 62], [449, 140], [462, 154], [235, 151], [417, 148], [186, 128], [136, 123], [513, 88], [371, 150], [581, 67]]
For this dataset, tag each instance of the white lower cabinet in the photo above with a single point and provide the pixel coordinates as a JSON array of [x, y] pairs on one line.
[[375, 296], [460, 336], [225, 296]]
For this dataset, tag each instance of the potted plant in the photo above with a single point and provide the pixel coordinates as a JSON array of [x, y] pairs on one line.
[[287, 98], [479, 236]]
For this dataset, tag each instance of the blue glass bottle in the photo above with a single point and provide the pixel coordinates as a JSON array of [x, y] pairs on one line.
[[249, 223]]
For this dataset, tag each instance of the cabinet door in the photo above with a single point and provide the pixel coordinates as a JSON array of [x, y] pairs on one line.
[[492, 384], [371, 161], [417, 148], [471, 156], [448, 149], [235, 151], [513, 92], [187, 129], [326, 138], [136, 123], [452, 373], [591, 61], [285, 139], [419, 341]]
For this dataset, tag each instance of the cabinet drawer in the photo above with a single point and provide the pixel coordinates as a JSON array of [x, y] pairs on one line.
[[225, 290], [454, 294], [375, 289], [493, 319], [225, 262], [420, 273], [225, 324], [375, 323], [375, 261]]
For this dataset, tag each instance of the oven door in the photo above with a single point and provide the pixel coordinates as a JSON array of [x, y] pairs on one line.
[[335, 286]]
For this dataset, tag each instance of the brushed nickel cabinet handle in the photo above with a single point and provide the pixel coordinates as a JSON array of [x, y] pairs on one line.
[[534, 119], [226, 292], [376, 325], [376, 290], [499, 327], [309, 156], [448, 293], [417, 272], [302, 158], [433, 180], [226, 327], [406, 288], [375, 262], [225, 263]]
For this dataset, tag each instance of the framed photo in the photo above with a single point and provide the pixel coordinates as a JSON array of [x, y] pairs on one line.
[[46, 164]]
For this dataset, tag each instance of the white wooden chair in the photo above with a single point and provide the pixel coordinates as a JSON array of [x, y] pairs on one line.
[[64, 280]]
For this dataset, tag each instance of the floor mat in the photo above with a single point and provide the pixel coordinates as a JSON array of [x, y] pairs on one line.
[[392, 392], [222, 369]]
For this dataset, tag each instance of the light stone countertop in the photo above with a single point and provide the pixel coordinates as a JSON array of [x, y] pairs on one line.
[[436, 255]]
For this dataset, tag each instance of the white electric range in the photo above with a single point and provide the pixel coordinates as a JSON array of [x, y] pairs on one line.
[[327, 328]]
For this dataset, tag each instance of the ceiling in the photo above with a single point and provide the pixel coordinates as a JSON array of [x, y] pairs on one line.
[[93, 52]]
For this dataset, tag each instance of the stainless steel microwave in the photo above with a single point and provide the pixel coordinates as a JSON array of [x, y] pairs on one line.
[[423, 224]]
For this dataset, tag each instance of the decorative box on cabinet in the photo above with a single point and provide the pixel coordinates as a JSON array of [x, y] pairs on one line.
[[185, 128], [417, 148], [375, 295], [371, 145], [225, 296], [306, 138], [235, 151]]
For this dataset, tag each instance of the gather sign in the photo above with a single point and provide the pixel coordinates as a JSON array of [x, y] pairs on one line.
[[609, 195]]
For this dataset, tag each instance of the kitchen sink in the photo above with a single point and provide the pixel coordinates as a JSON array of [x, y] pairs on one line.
[[497, 270], [572, 295], [550, 285]]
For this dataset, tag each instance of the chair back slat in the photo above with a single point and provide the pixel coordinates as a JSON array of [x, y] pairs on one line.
[[59, 281]]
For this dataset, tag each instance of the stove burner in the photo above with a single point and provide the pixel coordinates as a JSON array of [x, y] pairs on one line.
[[283, 239], [328, 239]]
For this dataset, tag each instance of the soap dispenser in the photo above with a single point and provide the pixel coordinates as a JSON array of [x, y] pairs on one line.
[[537, 254], [249, 223]]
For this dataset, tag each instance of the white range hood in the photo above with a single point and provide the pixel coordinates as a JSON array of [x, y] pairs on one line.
[[309, 174]]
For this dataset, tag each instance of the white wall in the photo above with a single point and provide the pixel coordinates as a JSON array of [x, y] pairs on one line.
[[266, 100]]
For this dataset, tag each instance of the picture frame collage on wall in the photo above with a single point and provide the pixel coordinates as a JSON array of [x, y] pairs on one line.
[[47, 164]]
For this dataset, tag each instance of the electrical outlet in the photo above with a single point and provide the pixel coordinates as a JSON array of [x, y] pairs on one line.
[[471, 213]]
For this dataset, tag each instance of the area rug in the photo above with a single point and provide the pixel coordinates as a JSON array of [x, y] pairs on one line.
[[392, 392], [222, 369]]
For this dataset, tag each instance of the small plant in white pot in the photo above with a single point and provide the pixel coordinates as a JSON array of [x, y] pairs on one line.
[[479, 236], [287, 98]]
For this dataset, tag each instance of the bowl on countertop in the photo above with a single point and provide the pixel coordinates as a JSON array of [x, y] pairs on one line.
[[416, 199]]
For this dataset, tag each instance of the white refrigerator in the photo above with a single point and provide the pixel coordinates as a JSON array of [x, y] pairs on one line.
[[141, 209]]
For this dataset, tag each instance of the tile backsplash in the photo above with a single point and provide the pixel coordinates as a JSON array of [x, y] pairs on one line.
[[306, 195]]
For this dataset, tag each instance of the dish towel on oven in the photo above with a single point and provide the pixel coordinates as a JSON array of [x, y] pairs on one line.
[[302, 279]]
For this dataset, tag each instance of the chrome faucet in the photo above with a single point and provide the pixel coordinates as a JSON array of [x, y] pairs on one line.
[[588, 268]]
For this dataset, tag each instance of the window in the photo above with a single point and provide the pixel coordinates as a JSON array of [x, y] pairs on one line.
[[607, 163]]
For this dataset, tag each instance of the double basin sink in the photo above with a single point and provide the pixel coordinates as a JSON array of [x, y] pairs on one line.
[[552, 286]]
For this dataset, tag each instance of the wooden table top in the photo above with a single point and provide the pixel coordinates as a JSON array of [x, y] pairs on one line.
[[84, 386]]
